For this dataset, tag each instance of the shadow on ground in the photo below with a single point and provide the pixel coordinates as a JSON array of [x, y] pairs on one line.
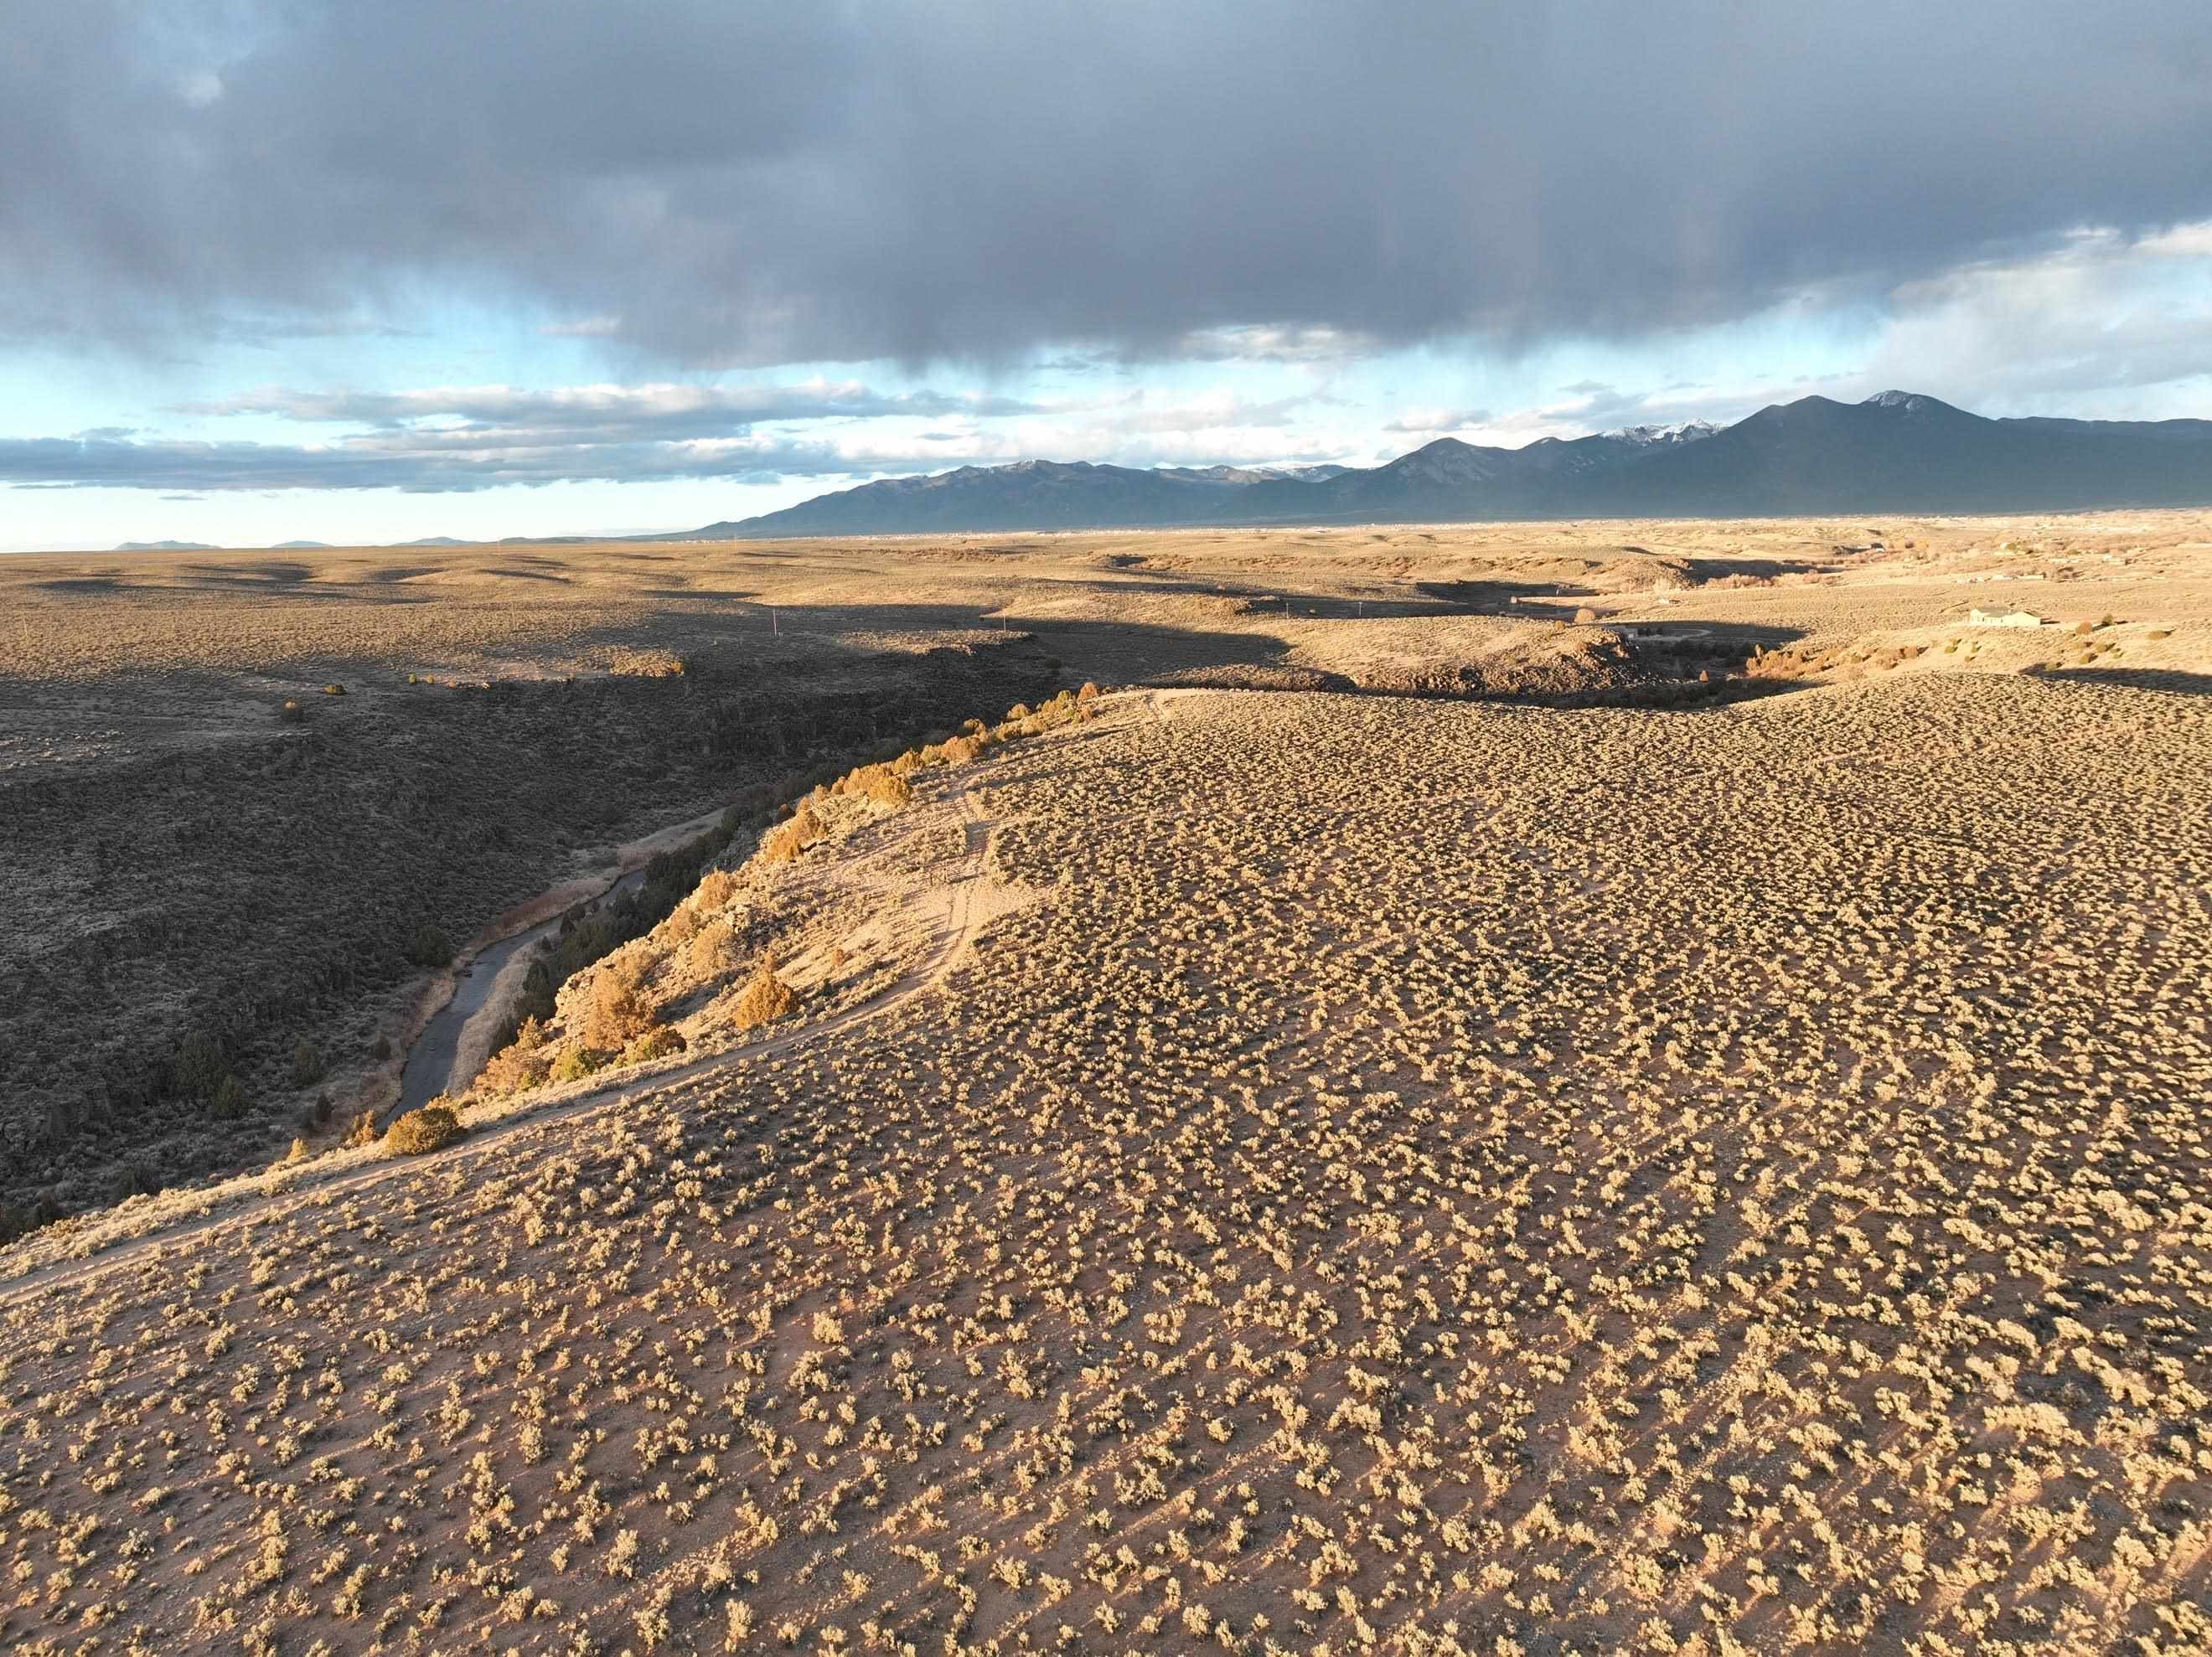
[[2173, 681]]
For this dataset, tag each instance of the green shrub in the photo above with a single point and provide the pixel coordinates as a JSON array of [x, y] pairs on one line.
[[227, 1102], [573, 1066], [429, 947], [539, 989], [200, 1067], [307, 1065], [292, 713], [430, 1128], [653, 1044]]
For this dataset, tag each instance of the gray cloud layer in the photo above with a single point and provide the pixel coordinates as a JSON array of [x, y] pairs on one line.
[[709, 183], [480, 437], [582, 412], [466, 437], [415, 462]]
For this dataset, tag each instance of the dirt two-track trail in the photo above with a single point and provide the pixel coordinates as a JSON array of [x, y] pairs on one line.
[[958, 919]]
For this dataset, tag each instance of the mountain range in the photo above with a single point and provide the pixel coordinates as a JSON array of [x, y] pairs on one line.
[[1896, 452]]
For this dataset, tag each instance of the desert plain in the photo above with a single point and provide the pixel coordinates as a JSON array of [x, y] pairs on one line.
[[1502, 1090]]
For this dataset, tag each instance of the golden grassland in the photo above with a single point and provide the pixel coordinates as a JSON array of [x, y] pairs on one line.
[[1276, 1171]]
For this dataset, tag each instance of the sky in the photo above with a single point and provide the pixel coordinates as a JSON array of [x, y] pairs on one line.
[[276, 269]]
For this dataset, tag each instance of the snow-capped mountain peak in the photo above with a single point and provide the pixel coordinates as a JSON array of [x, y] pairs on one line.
[[1686, 431]]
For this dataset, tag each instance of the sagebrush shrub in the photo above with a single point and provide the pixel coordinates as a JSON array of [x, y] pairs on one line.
[[713, 950], [430, 1128], [573, 1066], [884, 782], [954, 751], [653, 1044], [619, 1012], [510, 1071], [765, 999], [788, 840], [520, 1065]]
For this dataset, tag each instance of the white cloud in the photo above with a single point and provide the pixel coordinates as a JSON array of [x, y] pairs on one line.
[[2061, 331], [476, 437], [1432, 422], [1258, 342]]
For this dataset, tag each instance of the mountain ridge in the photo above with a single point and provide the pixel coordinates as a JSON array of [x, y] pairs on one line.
[[1896, 450]]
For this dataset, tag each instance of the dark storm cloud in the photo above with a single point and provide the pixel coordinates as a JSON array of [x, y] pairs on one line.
[[710, 184]]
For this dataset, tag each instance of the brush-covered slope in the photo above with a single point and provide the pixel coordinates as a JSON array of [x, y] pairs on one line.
[[1416, 1178]]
